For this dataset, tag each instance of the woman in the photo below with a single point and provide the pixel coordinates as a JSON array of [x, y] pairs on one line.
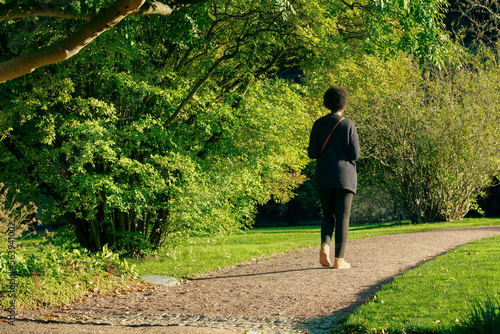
[[334, 143]]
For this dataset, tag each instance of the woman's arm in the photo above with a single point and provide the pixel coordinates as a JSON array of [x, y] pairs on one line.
[[354, 149], [313, 150]]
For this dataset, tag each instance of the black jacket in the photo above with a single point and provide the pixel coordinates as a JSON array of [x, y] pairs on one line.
[[335, 167]]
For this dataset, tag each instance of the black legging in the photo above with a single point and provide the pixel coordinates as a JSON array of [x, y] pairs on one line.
[[336, 206]]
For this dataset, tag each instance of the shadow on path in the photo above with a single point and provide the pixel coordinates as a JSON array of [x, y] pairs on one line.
[[262, 273], [289, 293]]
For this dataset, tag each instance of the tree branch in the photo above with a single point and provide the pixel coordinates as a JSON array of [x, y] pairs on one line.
[[70, 46], [154, 8], [200, 83], [17, 11]]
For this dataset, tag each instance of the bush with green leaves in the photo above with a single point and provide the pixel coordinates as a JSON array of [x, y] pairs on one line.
[[14, 216], [429, 138], [54, 276]]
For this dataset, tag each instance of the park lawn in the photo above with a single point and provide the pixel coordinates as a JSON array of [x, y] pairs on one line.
[[202, 256], [436, 296]]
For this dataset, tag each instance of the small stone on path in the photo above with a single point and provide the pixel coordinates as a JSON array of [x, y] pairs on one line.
[[160, 280]]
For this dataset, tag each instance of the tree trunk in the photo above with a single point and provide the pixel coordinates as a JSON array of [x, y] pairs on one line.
[[159, 228], [95, 235], [81, 230]]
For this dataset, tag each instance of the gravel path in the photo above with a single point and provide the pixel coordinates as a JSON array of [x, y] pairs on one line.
[[288, 293]]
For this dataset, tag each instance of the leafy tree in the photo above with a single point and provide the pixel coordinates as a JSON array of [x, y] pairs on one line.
[[174, 127], [430, 139], [183, 140], [387, 25]]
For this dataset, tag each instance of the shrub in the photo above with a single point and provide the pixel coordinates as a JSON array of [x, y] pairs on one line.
[[13, 214], [430, 138], [53, 276]]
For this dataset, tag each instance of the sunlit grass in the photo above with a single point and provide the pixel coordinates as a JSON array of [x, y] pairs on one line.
[[200, 257], [435, 296]]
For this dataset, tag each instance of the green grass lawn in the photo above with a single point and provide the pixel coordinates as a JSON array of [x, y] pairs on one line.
[[431, 298], [435, 296], [200, 257]]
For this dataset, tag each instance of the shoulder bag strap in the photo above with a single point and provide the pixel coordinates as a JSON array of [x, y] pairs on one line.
[[326, 141]]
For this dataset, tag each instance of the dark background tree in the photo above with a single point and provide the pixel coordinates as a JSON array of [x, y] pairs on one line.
[[473, 21]]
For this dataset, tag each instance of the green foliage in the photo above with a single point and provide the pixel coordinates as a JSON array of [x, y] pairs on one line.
[[429, 139], [54, 276], [116, 155], [418, 30]]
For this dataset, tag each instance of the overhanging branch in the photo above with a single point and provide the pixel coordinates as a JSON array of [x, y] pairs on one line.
[[70, 46], [14, 11], [200, 83], [17, 11]]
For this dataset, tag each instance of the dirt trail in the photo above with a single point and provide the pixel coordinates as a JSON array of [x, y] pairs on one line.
[[283, 290]]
